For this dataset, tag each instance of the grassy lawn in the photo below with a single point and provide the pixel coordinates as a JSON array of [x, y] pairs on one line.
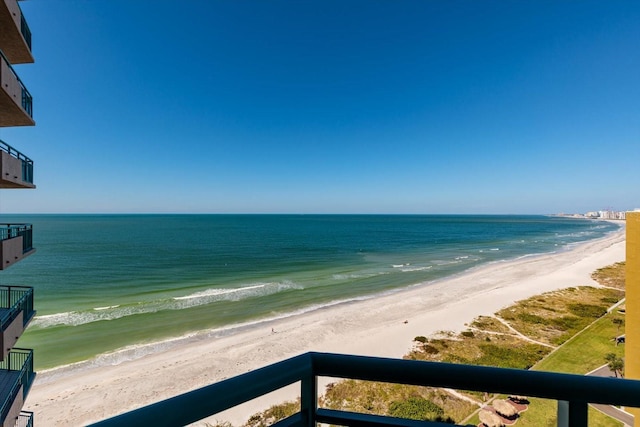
[[585, 351], [581, 354], [542, 412]]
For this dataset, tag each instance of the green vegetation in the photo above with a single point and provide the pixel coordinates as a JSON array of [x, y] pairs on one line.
[[588, 310], [490, 324], [612, 275], [508, 351], [618, 321], [556, 316], [586, 350], [418, 408], [542, 412], [615, 363], [575, 318], [273, 414], [393, 399]]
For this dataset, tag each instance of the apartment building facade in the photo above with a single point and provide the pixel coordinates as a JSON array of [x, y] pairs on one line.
[[16, 239]]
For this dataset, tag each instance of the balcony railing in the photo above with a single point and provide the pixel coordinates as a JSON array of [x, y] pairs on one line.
[[18, 366], [9, 231], [27, 163], [17, 299], [27, 99], [24, 29], [573, 392]]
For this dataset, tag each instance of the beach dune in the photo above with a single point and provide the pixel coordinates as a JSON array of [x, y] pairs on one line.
[[382, 326]]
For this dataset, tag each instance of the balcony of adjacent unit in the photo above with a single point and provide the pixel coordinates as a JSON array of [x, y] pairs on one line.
[[16, 104], [25, 419], [573, 393], [16, 243], [16, 378], [15, 37], [16, 311], [16, 169]]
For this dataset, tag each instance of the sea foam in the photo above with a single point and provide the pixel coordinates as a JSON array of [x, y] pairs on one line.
[[208, 296]]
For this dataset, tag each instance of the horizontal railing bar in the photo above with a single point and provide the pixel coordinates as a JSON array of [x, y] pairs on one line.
[[11, 231], [344, 418], [13, 152], [556, 386], [209, 400], [15, 287]]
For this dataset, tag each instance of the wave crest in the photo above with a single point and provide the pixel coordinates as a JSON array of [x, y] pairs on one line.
[[208, 296]]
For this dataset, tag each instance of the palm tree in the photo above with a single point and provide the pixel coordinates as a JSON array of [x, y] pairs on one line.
[[618, 322], [615, 363]]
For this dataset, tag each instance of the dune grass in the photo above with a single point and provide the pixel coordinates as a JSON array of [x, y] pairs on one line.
[[611, 275], [554, 317], [574, 319]]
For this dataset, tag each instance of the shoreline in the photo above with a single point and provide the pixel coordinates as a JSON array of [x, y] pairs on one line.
[[74, 396], [139, 350]]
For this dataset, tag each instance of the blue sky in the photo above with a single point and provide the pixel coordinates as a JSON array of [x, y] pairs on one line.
[[331, 106]]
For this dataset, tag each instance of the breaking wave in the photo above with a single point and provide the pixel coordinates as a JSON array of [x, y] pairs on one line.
[[208, 296]]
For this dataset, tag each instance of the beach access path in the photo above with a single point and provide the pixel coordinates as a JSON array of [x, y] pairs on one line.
[[383, 326]]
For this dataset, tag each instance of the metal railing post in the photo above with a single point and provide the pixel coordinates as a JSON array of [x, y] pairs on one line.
[[572, 414], [309, 395]]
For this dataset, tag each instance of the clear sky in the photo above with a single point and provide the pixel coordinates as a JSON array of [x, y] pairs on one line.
[[331, 106]]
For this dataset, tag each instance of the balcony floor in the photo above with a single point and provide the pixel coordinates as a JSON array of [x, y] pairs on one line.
[[8, 379]]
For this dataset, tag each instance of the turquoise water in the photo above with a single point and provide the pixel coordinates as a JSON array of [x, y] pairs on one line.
[[105, 282]]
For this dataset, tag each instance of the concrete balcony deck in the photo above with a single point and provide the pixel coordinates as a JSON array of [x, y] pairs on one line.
[[16, 169], [15, 37], [16, 103], [16, 243], [573, 392]]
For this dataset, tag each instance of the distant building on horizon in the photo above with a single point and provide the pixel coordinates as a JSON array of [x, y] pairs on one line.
[[606, 214]]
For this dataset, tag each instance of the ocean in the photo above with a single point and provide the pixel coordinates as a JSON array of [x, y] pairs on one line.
[[114, 287]]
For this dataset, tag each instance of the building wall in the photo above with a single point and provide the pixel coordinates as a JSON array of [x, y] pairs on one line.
[[10, 252], [11, 334], [14, 9], [10, 168], [632, 321], [10, 83]]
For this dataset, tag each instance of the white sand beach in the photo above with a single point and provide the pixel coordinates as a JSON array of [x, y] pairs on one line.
[[382, 326]]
